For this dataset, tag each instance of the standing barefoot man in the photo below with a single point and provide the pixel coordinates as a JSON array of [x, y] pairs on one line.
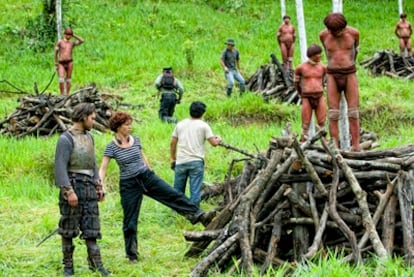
[[341, 45], [63, 59], [286, 39], [403, 31]]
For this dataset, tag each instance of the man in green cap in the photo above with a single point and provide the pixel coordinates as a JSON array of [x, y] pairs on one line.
[[230, 61]]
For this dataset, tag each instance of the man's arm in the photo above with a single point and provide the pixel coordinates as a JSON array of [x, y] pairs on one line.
[[173, 151], [397, 29], [56, 54], [214, 141], [296, 82], [78, 40]]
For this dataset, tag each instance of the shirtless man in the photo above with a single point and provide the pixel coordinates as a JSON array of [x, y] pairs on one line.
[[403, 31], [341, 46], [63, 59], [308, 81], [286, 39]]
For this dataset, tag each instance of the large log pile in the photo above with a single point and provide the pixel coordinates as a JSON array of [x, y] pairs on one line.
[[46, 114], [272, 82], [388, 63], [296, 200]]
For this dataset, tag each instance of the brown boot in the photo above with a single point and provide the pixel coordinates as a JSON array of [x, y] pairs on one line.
[[95, 261], [68, 260]]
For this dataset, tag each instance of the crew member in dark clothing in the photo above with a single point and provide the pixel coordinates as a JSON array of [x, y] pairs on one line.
[[171, 91], [76, 175], [136, 179]]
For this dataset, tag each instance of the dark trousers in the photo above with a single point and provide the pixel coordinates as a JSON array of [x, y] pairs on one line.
[[167, 105], [132, 191]]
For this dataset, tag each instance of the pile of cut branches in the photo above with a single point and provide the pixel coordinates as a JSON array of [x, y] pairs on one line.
[[296, 200], [390, 64], [46, 114], [272, 82]]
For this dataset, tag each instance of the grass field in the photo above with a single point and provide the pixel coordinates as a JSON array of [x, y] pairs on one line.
[[127, 43]]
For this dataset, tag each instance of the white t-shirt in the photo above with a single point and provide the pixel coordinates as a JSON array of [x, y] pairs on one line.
[[191, 134]]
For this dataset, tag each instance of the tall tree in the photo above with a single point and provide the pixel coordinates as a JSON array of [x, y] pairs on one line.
[[58, 17], [400, 7], [282, 9]]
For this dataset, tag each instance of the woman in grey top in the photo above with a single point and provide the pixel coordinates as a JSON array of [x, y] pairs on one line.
[[136, 179]]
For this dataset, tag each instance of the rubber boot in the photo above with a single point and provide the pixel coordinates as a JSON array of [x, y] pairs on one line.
[[95, 261], [242, 89], [229, 92], [68, 260]]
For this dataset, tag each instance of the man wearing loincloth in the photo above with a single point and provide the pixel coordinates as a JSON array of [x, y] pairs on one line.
[[403, 31], [341, 46], [64, 61], [308, 80], [286, 38]]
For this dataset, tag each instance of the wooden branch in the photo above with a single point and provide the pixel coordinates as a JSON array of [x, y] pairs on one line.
[[362, 202]]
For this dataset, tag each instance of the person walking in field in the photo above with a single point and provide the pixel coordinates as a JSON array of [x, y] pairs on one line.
[[187, 151], [308, 80], [64, 60], [341, 44], [230, 61], [171, 90], [76, 175], [403, 30], [286, 39]]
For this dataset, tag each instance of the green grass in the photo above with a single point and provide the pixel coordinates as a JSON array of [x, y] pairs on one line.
[[126, 45]]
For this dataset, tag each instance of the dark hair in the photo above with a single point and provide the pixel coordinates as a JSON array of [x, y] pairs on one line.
[[335, 21], [68, 31], [197, 109], [285, 16], [117, 119], [81, 110], [313, 50], [403, 15]]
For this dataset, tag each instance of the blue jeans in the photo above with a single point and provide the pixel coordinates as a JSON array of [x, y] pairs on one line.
[[232, 75], [194, 171]]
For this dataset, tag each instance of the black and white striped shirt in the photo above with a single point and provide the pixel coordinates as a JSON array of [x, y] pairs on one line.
[[129, 160]]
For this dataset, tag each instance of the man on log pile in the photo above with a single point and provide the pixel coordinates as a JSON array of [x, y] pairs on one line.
[[308, 81], [341, 44], [64, 61], [403, 31]]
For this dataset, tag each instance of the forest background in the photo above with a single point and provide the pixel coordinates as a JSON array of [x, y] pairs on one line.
[[127, 43]]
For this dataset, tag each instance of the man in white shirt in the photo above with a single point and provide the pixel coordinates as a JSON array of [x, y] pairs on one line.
[[187, 151]]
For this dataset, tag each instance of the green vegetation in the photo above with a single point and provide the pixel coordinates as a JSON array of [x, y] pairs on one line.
[[127, 43]]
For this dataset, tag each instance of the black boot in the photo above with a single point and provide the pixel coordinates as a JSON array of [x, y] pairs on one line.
[[68, 260], [95, 261], [229, 90]]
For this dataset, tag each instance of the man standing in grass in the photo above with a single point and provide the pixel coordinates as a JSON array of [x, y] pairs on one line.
[[187, 151], [286, 39], [341, 44], [403, 31], [230, 61], [171, 91], [308, 81], [64, 61], [76, 174]]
